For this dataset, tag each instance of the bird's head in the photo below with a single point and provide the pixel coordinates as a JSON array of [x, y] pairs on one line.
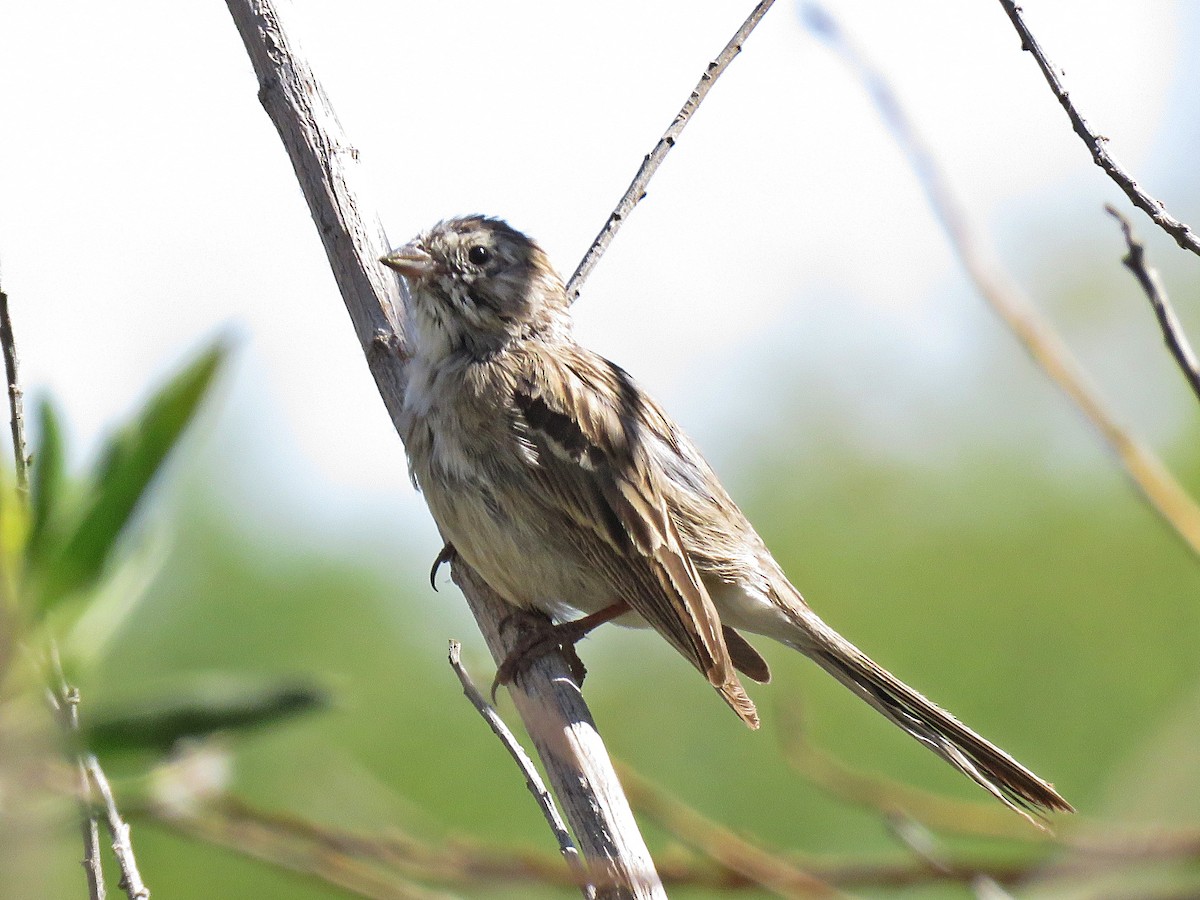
[[476, 284]]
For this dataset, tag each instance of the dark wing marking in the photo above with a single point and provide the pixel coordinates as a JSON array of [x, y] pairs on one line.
[[594, 468]]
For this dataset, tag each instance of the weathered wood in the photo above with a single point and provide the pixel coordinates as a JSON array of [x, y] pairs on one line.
[[550, 705]]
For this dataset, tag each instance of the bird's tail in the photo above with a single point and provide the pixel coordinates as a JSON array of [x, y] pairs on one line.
[[980, 760]]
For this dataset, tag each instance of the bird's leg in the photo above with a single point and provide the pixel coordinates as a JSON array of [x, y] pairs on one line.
[[445, 555], [563, 636]]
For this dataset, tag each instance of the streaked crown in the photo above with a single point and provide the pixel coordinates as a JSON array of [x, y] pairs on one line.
[[477, 283]]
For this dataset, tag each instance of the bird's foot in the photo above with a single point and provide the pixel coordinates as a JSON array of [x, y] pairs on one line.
[[549, 638]]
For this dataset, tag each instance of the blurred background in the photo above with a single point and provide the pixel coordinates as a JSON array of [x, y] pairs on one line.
[[784, 290]]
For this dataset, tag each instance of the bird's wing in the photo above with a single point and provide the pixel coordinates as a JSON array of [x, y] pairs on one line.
[[592, 427]]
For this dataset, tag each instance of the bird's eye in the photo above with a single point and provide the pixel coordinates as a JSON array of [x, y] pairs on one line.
[[479, 255]]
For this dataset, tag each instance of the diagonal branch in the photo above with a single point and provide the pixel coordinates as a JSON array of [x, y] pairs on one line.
[[396, 866], [1147, 277], [550, 705], [358, 866], [885, 796], [1035, 332], [64, 701], [532, 779], [637, 188], [1184, 236], [118, 828], [571, 750], [774, 873]]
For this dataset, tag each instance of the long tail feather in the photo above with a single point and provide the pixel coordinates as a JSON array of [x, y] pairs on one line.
[[980, 760]]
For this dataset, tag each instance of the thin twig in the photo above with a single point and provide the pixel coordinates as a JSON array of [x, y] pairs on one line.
[[773, 873], [1184, 236], [1119, 855], [888, 797], [131, 880], [1147, 276], [382, 866], [1157, 485], [533, 780], [927, 848], [337, 858], [62, 697], [64, 700], [637, 188], [570, 747], [16, 403]]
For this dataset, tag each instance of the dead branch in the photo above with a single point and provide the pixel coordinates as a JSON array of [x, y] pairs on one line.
[[1097, 145], [637, 188], [533, 780], [1161, 490], [326, 167], [1151, 284]]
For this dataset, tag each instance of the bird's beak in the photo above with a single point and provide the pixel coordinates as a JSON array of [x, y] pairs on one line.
[[411, 261]]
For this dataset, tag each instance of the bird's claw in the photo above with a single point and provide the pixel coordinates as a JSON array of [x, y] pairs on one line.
[[445, 555], [545, 640]]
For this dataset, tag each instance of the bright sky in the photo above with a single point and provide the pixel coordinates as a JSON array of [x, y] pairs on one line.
[[146, 203]]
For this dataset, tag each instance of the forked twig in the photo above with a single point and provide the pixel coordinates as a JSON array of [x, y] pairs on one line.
[[1157, 485], [637, 188], [1184, 236], [118, 828], [533, 780], [1147, 277], [64, 701]]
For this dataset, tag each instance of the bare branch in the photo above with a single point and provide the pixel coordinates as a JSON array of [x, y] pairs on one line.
[[637, 188], [775, 874], [533, 780], [927, 848], [571, 749], [16, 403], [118, 828], [1184, 236], [1147, 276], [382, 866], [90, 829], [1157, 485], [335, 857], [64, 700], [886, 796], [549, 704]]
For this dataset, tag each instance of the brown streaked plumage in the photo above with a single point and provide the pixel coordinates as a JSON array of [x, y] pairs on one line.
[[569, 489]]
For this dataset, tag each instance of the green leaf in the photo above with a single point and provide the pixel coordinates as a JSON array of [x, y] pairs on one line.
[[200, 706], [133, 457], [47, 480]]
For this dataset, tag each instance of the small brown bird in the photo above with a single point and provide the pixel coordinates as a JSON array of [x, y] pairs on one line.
[[558, 479]]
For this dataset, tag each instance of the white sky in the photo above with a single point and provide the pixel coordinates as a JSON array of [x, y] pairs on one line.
[[146, 203]]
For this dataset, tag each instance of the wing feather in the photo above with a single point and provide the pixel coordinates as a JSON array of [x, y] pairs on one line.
[[593, 465]]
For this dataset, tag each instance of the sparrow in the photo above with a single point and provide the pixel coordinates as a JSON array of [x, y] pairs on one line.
[[554, 475]]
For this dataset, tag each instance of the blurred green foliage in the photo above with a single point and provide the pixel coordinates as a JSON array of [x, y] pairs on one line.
[[72, 533], [1044, 606]]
